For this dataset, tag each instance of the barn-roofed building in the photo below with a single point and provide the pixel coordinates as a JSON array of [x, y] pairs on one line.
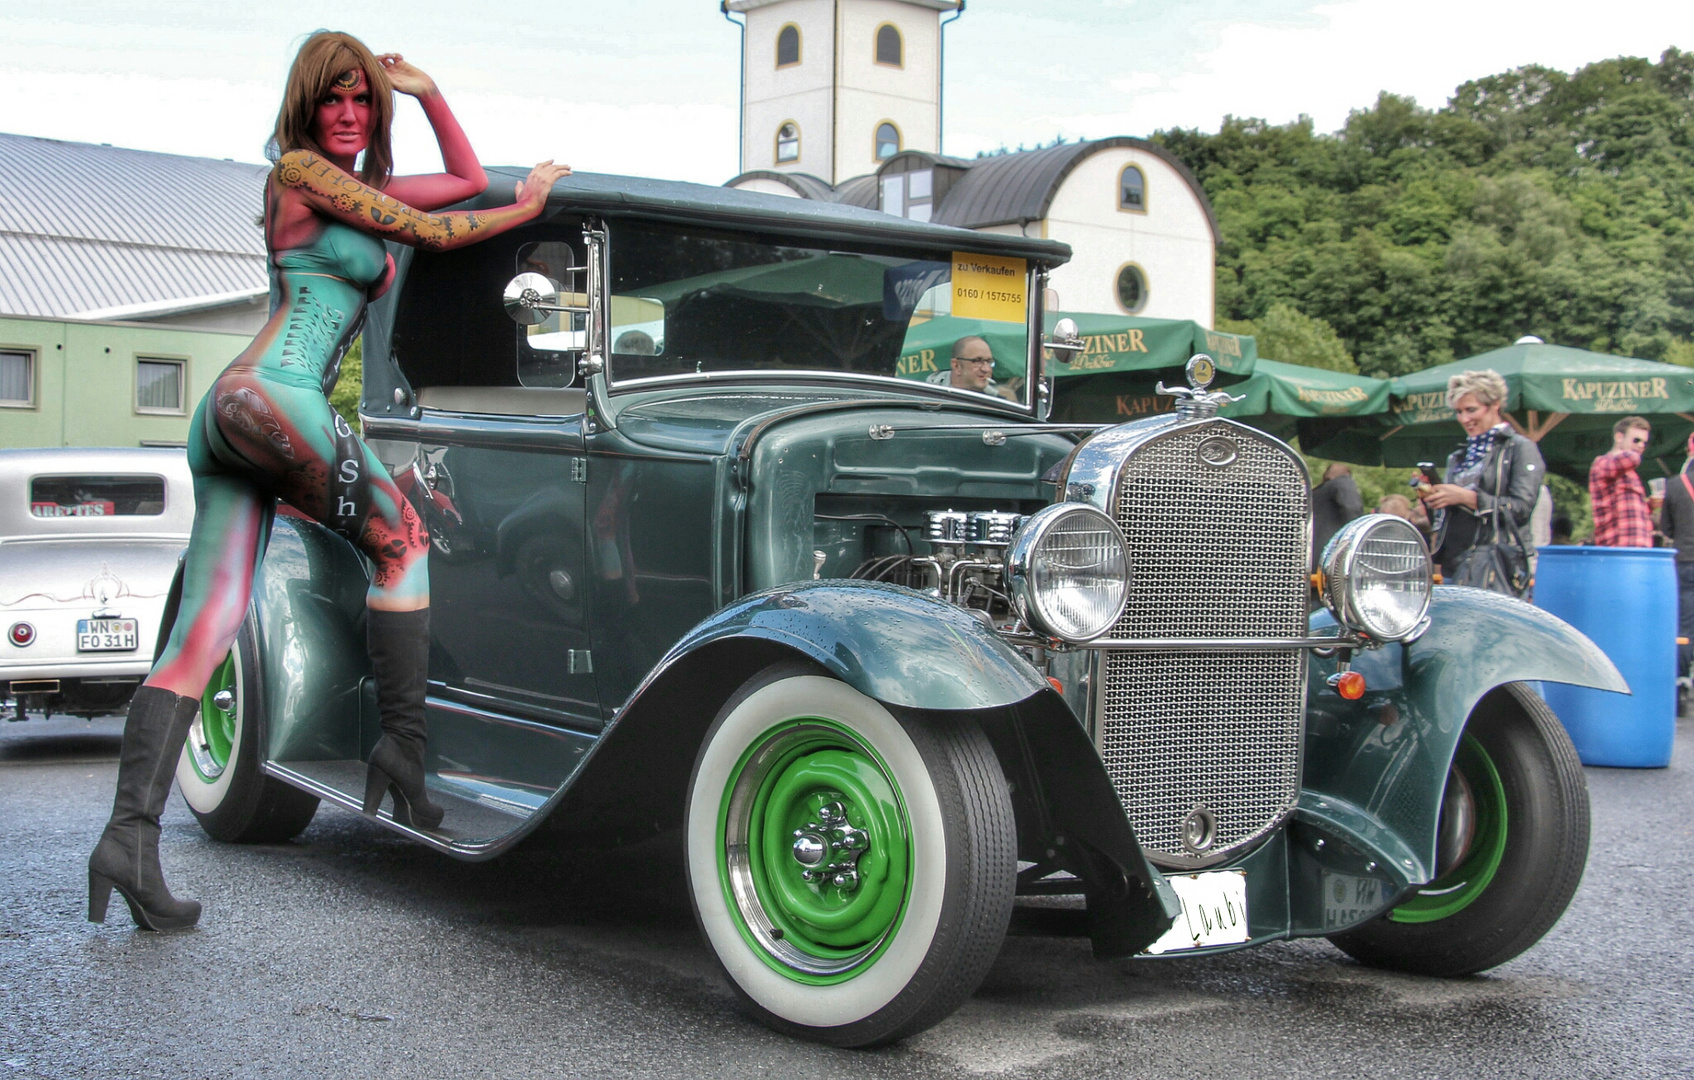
[[841, 102], [128, 280]]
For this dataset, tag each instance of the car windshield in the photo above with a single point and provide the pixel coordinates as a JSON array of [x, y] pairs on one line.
[[691, 302]]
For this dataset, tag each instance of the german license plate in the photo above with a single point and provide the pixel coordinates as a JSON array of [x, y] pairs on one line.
[[1349, 899], [1214, 911], [106, 635]]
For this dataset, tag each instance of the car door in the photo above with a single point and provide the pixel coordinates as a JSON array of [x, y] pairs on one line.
[[507, 572]]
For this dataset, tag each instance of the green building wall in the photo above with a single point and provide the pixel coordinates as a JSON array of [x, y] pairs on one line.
[[85, 380]]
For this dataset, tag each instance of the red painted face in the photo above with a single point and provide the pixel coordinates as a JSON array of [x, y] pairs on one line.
[[343, 119]]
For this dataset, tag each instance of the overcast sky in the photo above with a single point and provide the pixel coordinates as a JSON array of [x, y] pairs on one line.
[[649, 87]]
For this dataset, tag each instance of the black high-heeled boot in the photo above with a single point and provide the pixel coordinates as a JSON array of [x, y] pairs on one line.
[[399, 647], [127, 856]]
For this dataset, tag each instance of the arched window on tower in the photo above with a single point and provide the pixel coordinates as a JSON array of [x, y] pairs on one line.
[[788, 142], [788, 45], [889, 48], [887, 141], [1132, 189]]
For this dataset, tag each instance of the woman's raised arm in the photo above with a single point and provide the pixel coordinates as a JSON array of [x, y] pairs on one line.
[[335, 194], [464, 177]]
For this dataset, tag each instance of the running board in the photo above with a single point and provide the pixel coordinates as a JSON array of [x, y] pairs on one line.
[[493, 774], [471, 827]]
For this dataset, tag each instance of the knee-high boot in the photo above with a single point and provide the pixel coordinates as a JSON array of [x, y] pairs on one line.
[[399, 647], [127, 856]]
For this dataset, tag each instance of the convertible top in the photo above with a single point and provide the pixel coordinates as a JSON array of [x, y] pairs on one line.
[[702, 204]]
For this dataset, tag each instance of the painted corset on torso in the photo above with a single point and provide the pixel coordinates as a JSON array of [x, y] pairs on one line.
[[320, 289]]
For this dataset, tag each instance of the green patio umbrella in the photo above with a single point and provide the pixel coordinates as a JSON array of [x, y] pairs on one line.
[[1115, 343], [1565, 399], [1274, 396]]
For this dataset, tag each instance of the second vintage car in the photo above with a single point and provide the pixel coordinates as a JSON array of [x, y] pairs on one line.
[[715, 564], [89, 540]]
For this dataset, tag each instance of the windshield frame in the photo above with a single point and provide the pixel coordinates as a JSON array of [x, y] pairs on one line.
[[1034, 277]]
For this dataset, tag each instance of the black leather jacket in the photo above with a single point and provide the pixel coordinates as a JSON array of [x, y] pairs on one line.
[[1511, 480]]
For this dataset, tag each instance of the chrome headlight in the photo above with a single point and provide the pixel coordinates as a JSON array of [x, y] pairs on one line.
[[1377, 576], [1068, 569]]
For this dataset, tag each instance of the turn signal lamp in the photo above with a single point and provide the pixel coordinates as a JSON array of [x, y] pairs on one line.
[[1350, 685]]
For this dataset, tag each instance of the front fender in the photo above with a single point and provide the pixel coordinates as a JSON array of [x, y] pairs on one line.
[[1375, 768], [890, 643], [920, 656]]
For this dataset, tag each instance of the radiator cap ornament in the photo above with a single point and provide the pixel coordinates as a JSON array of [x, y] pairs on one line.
[[1200, 371]]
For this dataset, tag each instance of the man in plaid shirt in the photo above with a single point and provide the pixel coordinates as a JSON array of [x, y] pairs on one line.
[[1620, 501]]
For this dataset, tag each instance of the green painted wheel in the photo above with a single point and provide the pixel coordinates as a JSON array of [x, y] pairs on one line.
[[211, 738], [1475, 806], [815, 851], [1511, 841], [852, 867], [221, 770]]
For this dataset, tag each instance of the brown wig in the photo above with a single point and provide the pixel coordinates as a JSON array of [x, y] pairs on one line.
[[325, 56]]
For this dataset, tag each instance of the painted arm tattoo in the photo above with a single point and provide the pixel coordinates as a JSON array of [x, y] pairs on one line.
[[464, 177], [337, 195]]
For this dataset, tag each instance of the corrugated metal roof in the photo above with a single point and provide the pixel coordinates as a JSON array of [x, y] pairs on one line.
[[1012, 189], [1006, 189], [86, 227], [802, 184], [860, 191]]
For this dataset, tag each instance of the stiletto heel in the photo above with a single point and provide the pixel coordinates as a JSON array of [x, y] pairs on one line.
[[399, 647], [376, 782], [99, 895]]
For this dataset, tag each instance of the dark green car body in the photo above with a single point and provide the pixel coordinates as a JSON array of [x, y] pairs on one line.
[[613, 560]]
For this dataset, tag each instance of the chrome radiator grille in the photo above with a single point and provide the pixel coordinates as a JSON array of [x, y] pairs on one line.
[[1215, 552], [1215, 730]]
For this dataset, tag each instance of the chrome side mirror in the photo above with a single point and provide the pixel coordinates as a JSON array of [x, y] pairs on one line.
[[1066, 343], [531, 299]]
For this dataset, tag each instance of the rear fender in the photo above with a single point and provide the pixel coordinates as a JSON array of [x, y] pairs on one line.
[[1375, 768], [919, 656]]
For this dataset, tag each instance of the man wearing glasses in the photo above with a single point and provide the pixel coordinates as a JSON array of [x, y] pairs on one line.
[[973, 365], [1621, 518]]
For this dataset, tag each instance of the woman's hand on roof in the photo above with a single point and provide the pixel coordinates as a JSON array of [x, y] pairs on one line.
[[539, 183]]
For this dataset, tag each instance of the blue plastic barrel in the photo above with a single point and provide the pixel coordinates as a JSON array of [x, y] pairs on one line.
[[1625, 600]]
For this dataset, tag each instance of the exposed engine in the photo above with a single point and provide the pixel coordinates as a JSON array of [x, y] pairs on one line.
[[965, 563]]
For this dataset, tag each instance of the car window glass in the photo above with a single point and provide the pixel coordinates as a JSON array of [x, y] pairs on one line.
[[541, 348], [96, 496], [686, 302]]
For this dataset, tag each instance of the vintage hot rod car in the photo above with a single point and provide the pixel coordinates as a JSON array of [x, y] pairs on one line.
[[715, 561]]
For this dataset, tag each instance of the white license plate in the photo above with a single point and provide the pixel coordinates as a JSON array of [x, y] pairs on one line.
[[1214, 911], [106, 635]]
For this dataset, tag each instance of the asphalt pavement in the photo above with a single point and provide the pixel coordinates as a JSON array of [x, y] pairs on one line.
[[351, 953]]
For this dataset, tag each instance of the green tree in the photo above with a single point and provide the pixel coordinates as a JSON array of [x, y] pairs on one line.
[[344, 399], [1533, 202], [1284, 333]]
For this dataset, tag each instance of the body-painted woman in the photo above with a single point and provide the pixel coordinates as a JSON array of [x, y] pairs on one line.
[[265, 431]]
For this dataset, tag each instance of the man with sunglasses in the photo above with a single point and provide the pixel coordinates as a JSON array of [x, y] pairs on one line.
[[1621, 518]]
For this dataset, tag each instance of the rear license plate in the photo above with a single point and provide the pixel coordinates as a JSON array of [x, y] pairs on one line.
[[1214, 911], [106, 635]]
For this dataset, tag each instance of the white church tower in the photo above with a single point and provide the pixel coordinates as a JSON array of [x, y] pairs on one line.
[[836, 87]]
